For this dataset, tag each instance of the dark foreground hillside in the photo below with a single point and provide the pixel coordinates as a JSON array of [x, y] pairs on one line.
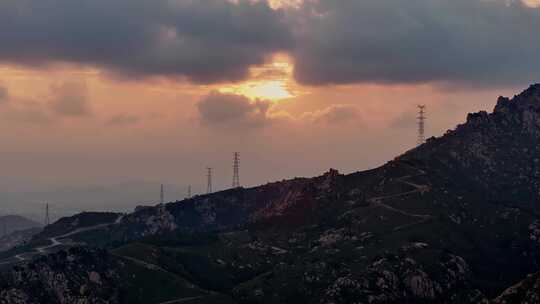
[[456, 220]]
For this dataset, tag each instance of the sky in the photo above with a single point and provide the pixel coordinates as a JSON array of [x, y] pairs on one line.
[[103, 100]]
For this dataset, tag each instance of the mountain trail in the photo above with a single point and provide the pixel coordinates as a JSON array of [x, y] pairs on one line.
[[421, 189], [56, 241]]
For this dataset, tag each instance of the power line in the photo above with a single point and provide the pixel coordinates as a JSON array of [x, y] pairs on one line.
[[236, 170], [209, 180], [421, 124]]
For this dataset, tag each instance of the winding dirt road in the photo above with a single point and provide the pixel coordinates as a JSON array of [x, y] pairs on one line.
[[421, 189], [56, 241]]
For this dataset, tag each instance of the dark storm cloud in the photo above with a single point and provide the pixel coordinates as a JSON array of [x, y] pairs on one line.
[[230, 110], [70, 100], [203, 40], [465, 42]]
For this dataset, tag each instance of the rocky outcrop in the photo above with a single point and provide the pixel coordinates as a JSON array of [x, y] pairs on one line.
[[402, 279], [525, 292], [499, 152], [80, 275]]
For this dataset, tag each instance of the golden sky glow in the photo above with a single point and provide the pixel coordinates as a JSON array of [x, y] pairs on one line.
[[285, 3], [273, 90], [272, 81], [532, 3]]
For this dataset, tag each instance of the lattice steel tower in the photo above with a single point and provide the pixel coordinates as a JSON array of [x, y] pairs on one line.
[[47, 218], [189, 191], [162, 195], [421, 124], [236, 170], [209, 180]]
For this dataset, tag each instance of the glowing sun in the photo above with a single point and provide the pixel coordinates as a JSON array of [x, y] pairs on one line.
[[273, 90], [272, 81]]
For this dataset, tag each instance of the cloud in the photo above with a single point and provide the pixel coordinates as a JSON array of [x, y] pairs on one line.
[[532, 3], [230, 110], [70, 100], [33, 116], [64, 100], [28, 112], [464, 42], [220, 110], [271, 74], [4, 94], [204, 41], [335, 114], [461, 42], [123, 120]]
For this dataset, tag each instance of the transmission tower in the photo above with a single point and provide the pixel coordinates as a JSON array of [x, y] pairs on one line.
[[209, 180], [236, 170], [189, 191], [162, 195], [421, 124], [47, 218]]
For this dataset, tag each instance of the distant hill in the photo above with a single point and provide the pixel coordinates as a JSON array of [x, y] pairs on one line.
[[453, 221], [12, 223], [17, 238]]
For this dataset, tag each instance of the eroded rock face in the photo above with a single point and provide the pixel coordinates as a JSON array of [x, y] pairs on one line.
[[401, 279], [534, 231], [15, 296], [162, 220], [499, 151], [525, 292], [79, 275], [293, 203]]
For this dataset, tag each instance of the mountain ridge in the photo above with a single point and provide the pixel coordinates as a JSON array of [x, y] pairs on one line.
[[455, 220]]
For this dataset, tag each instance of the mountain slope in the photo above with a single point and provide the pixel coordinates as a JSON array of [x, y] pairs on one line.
[[496, 152], [13, 223], [17, 238], [456, 220], [16, 231]]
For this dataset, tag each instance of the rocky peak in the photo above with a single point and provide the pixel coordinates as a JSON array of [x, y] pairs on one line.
[[499, 152], [477, 118], [532, 92], [530, 98], [329, 179]]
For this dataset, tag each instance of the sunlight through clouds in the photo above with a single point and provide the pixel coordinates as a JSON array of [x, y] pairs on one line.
[[285, 3], [271, 90], [532, 3], [272, 81]]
